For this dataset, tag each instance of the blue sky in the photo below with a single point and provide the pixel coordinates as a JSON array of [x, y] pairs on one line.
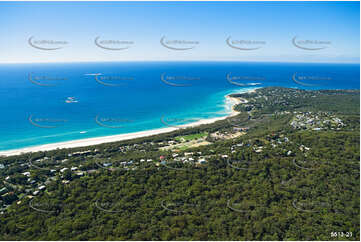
[[274, 24]]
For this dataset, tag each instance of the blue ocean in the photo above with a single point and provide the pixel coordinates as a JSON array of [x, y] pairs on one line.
[[49, 103]]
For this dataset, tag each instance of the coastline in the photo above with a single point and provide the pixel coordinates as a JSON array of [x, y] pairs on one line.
[[120, 137]]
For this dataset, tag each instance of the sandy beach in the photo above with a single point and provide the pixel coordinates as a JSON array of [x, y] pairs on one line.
[[120, 137]]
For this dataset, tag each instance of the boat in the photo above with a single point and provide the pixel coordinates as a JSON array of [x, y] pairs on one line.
[[71, 100]]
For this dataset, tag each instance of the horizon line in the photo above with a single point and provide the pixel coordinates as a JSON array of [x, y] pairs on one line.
[[114, 61]]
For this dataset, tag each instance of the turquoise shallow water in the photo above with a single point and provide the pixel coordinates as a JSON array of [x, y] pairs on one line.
[[137, 96]]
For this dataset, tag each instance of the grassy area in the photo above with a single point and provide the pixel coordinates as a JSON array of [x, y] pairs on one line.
[[183, 148], [191, 136]]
